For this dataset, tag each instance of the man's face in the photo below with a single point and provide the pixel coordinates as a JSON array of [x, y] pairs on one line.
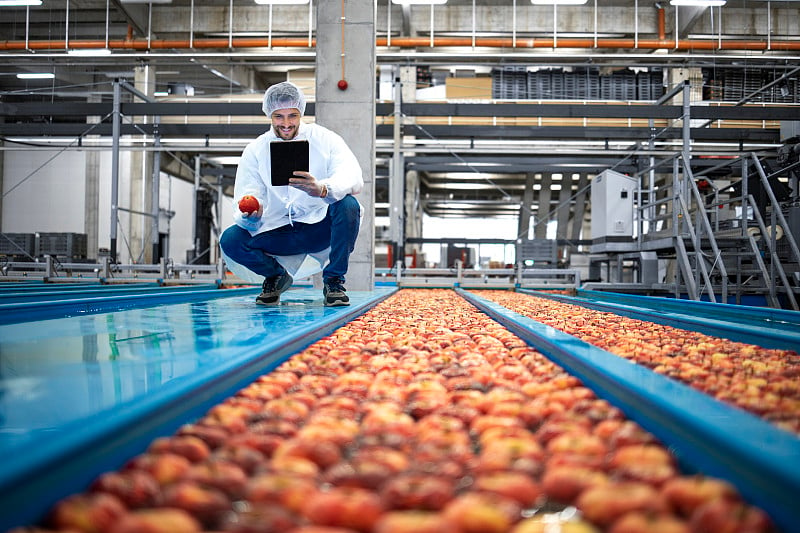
[[285, 122]]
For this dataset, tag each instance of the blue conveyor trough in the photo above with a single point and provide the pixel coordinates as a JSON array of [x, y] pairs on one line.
[[87, 383], [92, 384]]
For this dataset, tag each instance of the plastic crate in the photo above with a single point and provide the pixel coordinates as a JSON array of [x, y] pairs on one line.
[[18, 244], [70, 245]]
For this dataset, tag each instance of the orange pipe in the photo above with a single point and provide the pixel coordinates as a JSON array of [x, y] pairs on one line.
[[662, 32], [408, 42]]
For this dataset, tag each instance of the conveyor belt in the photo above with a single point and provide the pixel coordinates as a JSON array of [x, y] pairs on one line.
[[705, 434], [81, 395], [770, 328]]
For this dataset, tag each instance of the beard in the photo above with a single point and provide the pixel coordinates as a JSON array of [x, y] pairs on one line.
[[284, 134]]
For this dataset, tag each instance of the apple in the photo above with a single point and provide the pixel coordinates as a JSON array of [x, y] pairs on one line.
[[638, 522], [259, 518], [726, 516], [605, 503], [515, 485], [247, 458], [687, 493], [545, 523], [349, 507], [418, 491], [248, 204], [292, 492], [226, 476], [414, 522], [206, 504], [189, 446], [134, 488], [96, 512], [164, 467], [563, 483], [158, 520], [482, 512]]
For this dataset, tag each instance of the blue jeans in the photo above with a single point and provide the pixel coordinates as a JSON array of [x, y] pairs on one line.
[[339, 230]]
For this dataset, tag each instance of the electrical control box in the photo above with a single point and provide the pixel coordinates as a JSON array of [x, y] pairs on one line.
[[612, 208]]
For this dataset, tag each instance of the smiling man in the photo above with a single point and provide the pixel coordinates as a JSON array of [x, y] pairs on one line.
[[316, 213]]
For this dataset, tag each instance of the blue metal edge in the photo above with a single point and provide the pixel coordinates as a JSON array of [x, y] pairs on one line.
[[711, 437], [14, 313], [34, 483], [777, 335], [740, 313]]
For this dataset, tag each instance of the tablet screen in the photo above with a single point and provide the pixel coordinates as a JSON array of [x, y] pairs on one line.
[[285, 158]]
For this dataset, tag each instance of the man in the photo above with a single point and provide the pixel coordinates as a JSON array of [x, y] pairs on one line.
[[316, 211]]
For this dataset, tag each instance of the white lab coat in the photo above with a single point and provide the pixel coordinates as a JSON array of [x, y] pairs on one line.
[[330, 161]]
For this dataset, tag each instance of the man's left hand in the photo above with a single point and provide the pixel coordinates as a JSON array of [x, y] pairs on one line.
[[307, 183]]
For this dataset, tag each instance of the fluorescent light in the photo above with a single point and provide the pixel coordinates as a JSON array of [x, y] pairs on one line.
[[418, 2], [700, 3], [36, 75], [558, 2], [16, 3], [90, 52], [282, 2]]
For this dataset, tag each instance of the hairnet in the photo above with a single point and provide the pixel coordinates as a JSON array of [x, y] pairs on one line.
[[284, 95]]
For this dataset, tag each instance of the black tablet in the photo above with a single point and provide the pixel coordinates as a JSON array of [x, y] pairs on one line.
[[285, 158]]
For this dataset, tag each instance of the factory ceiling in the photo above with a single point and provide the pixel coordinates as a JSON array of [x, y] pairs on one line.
[[227, 51]]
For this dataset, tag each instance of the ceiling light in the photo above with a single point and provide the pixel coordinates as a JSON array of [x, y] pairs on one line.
[[558, 2], [699, 3], [282, 2], [36, 75], [17, 3], [418, 2], [89, 52]]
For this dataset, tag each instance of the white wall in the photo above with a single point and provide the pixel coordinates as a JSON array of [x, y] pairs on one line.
[[46, 199], [53, 199]]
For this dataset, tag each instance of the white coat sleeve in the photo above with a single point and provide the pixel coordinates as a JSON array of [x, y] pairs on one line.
[[344, 172], [248, 182]]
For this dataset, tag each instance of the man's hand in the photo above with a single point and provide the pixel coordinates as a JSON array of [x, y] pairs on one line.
[[308, 184]]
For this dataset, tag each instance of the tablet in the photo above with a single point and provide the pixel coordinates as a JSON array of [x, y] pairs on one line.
[[285, 158]]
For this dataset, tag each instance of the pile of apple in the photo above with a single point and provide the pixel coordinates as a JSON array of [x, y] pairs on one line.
[[421, 416], [760, 380]]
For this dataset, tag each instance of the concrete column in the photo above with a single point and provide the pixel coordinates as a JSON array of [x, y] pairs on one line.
[[91, 224], [351, 112], [141, 182]]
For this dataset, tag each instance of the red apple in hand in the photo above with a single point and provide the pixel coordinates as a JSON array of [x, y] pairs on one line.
[[248, 204]]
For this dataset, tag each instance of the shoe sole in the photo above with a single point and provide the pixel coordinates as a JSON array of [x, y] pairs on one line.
[[338, 303]]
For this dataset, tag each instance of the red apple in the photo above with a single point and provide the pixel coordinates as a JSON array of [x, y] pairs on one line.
[[134, 488], [515, 485], [726, 516], [482, 512], [164, 467], [545, 523], [603, 504], [353, 508], [90, 513], [687, 493], [414, 522], [418, 491], [288, 490], [565, 482], [248, 204], [191, 447], [638, 522], [259, 518], [207, 504], [226, 476], [158, 520]]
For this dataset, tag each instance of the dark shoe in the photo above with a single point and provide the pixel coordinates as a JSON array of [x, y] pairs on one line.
[[334, 293], [272, 288]]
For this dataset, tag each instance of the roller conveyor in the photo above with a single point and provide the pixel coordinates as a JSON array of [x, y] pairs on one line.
[[81, 395], [770, 328]]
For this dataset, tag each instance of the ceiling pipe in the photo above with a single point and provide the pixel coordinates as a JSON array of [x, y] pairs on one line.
[[410, 42]]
